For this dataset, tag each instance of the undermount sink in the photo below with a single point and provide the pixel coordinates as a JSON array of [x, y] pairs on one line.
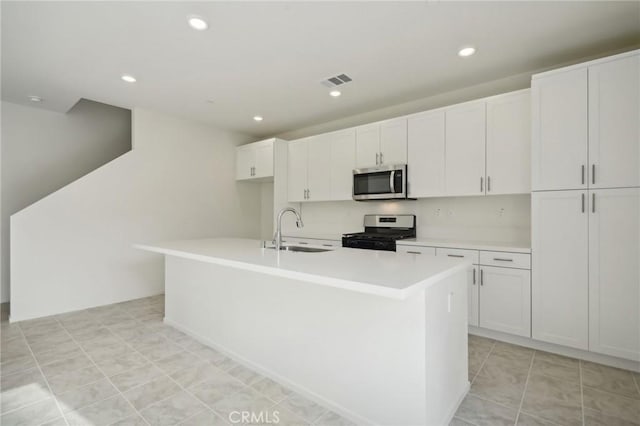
[[300, 249]]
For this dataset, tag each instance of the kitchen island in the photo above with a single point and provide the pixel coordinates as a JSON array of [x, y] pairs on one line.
[[379, 337]]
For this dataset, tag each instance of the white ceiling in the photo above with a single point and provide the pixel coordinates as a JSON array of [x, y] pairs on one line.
[[268, 58]]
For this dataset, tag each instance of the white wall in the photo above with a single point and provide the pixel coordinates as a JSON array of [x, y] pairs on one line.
[[43, 151], [495, 218], [72, 249]]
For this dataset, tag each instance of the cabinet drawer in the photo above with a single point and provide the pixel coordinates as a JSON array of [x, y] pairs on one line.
[[416, 250], [506, 260], [471, 255]]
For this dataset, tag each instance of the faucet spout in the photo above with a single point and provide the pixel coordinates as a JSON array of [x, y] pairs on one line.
[[277, 237]]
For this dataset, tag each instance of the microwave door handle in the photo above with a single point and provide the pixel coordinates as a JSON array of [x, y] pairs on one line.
[[392, 182]]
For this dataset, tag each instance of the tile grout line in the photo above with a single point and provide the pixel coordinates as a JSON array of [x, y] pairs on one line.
[[55, 399], [107, 377], [483, 363], [526, 384], [581, 390]]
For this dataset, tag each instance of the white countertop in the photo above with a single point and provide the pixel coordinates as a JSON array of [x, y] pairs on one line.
[[513, 247], [389, 274]]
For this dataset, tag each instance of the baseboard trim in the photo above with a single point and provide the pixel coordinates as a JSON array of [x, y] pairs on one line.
[[307, 393], [454, 409], [557, 349]]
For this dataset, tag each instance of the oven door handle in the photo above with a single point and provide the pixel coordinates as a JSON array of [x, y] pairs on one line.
[[392, 183]]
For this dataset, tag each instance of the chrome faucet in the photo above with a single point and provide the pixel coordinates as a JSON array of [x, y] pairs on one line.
[[277, 237]]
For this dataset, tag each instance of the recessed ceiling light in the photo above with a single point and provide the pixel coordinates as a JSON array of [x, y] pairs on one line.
[[35, 98], [128, 78], [466, 51], [197, 23], [258, 118], [335, 93]]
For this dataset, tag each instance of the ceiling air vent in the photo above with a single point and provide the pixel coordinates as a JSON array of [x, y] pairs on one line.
[[338, 80]]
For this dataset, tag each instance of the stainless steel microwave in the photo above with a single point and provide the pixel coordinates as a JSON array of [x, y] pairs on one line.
[[380, 183]]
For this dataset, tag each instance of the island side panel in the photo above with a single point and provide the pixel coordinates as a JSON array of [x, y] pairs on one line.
[[361, 355], [447, 364]]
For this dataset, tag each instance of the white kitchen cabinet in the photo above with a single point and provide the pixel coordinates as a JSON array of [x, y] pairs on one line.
[[255, 160], [426, 154], [382, 143], [393, 141], [343, 161], [244, 162], [297, 170], [559, 132], [368, 145], [614, 123], [559, 254], [614, 272], [505, 300], [318, 169], [508, 151], [465, 149]]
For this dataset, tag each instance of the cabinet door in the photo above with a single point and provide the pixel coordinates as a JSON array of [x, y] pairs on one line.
[[244, 162], [297, 170], [473, 298], [505, 300], [614, 272], [559, 253], [465, 149], [509, 144], [614, 123], [367, 145], [559, 131], [425, 146], [263, 162], [393, 141], [343, 161], [319, 168]]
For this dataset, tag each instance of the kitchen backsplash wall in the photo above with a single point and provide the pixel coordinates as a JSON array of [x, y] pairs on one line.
[[496, 218]]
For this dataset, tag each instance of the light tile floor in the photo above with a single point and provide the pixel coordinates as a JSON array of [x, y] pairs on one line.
[[515, 385], [120, 365]]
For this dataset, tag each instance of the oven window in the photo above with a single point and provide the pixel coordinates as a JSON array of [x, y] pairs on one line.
[[372, 183]]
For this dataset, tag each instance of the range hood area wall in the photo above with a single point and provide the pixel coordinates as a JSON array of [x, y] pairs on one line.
[[498, 218]]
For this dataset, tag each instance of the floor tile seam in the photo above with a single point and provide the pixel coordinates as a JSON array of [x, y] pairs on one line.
[[581, 390], [526, 413], [109, 380], [526, 384], [324, 409], [493, 345], [619, 395], [182, 422], [466, 421], [204, 406], [46, 381]]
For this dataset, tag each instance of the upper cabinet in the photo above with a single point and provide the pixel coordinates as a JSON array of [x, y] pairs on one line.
[[465, 149], [559, 155], [509, 143], [320, 168], [614, 123], [255, 160], [425, 148], [586, 131], [381, 143]]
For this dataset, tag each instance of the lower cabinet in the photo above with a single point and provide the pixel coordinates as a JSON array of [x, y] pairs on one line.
[[505, 300], [499, 297]]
